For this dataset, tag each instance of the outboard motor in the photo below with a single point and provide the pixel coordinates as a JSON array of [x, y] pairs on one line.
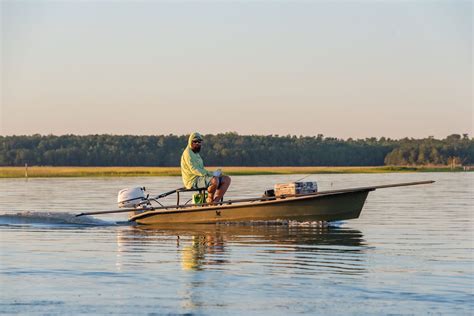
[[131, 198]]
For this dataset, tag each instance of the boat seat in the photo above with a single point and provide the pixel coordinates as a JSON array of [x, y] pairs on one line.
[[200, 190], [190, 190]]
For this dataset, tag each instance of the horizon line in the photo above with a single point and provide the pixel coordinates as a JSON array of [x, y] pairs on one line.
[[236, 133]]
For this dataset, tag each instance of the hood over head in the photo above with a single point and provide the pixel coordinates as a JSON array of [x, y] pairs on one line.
[[194, 136]]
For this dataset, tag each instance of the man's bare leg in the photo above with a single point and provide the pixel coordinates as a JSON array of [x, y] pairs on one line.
[[222, 189], [211, 190]]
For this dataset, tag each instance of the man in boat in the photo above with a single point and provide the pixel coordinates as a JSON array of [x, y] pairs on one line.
[[196, 176]]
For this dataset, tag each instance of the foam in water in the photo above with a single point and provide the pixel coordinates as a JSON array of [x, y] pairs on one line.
[[50, 218], [334, 224]]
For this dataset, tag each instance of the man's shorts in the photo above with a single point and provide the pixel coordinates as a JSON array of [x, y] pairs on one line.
[[202, 182]]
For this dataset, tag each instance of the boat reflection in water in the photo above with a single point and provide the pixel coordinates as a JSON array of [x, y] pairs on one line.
[[251, 248]]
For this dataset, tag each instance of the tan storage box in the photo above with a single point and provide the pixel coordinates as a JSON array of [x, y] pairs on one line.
[[294, 188]]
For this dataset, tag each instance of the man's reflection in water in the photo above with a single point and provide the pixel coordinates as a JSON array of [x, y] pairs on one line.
[[194, 256]]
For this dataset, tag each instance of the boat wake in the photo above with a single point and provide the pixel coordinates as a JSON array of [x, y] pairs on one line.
[[322, 224], [64, 219], [334, 224], [31, 218]]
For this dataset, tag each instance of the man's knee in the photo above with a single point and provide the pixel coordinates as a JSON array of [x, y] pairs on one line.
[[213, 185], [226, 179]]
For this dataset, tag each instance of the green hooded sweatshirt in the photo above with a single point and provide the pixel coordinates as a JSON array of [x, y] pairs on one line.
[[192, 165]]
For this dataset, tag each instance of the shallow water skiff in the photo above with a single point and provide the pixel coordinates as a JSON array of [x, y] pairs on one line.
[[326, 206]]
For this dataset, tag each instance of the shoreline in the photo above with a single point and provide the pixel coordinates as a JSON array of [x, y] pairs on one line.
[[54, 172]]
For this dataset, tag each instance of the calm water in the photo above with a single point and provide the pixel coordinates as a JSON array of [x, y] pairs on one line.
[[411, 252]]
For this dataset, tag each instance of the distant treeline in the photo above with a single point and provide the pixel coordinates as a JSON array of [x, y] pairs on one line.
[[231, 149]]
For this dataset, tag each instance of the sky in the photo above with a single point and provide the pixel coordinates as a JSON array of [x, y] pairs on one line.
[[345, 69]]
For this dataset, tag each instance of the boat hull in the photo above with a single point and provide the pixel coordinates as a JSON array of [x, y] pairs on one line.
[[325, 207]]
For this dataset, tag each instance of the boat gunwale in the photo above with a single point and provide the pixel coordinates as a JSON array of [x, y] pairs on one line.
[[247, 203]]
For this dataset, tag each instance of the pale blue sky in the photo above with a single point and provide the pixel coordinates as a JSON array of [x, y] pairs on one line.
[[342, 68]]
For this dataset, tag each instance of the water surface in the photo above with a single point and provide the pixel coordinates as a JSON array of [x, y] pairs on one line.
[[410, 252]]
